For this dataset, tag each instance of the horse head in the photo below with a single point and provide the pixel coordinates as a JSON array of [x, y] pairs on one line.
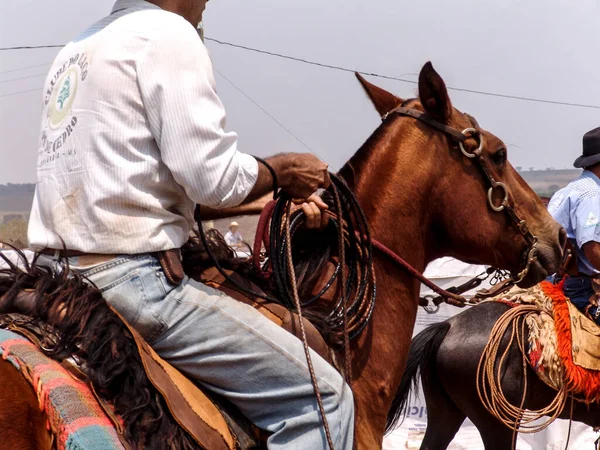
[[470, 201]]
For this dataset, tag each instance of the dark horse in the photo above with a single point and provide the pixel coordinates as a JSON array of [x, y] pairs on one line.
[[424, 198], [447, 355]]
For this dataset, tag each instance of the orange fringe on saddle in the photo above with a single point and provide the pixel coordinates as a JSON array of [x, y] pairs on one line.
[[578, 379]]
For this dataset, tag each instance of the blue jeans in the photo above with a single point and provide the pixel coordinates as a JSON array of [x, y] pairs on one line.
[[232, 350], [579, 290]]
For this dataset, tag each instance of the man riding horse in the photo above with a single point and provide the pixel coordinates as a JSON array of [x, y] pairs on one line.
[[132, 139], [577, 208]]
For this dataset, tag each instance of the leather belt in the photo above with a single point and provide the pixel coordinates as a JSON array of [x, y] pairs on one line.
[[85, 259], [170, 261]]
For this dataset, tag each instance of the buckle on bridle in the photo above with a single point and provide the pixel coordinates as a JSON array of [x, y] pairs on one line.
[[502, 186], [475, 134], [531, 257]]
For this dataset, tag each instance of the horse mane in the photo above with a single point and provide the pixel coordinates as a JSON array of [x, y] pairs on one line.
[[364, 153], [88, 329]]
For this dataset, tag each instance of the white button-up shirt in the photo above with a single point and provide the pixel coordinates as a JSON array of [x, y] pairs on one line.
[[132, 137]]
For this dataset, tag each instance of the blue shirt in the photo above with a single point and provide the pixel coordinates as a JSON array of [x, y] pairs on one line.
[[577, 208]]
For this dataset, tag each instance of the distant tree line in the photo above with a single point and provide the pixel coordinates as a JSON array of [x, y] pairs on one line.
[[12, 188]]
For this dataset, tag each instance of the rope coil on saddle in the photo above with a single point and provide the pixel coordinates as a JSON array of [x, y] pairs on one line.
[[490, 371]]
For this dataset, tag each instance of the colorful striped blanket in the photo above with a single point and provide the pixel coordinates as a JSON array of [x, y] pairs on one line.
[[74, 416]]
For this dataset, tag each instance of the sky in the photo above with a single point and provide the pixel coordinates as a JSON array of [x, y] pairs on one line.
[[546, 49]]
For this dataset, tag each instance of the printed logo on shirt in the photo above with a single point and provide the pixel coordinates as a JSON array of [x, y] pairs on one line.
[[63, 98], [592, 220], [59, 100]]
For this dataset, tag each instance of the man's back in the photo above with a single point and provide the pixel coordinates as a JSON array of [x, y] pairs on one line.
[[114, 173]]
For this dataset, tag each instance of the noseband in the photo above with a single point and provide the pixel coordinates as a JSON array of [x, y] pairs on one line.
[[530, 253]]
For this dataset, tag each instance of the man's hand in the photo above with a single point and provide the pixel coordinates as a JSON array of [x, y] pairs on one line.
[[302, 174], [313, 208], [298, 174]]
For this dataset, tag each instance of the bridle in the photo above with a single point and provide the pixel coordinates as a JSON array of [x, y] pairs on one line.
[[530, 253]]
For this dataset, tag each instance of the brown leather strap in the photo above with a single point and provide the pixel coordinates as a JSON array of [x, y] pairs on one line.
[[84, 259], [170, 261], [423, 117], [62, 253]]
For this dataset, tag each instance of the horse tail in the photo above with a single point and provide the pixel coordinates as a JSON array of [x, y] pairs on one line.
[[423, 350]]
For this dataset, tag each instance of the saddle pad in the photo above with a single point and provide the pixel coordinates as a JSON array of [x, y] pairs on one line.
[[74, 416], [564, 345]]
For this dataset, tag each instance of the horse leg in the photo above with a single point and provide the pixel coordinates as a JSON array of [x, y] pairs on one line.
[[457, 363], [444, 419], [494, 434]]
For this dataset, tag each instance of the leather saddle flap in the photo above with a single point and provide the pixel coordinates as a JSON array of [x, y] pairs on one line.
[[190, 407], [586, 340]]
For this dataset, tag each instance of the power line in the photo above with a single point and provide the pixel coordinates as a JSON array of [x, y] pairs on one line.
[[31, 47], [22, 78], [19, 92], [403, 80], [25, 68], [264, 111], [372, 74]]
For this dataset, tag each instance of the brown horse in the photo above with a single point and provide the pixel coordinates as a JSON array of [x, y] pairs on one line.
[[424, 198], [22, 422]]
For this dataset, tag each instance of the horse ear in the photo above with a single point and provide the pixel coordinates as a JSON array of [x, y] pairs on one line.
[[383, 101], [433, 94]]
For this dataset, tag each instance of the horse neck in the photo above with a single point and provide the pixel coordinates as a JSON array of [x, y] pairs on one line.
[[392, 177]]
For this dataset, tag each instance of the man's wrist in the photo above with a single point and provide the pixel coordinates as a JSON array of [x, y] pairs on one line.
[[283, 166]]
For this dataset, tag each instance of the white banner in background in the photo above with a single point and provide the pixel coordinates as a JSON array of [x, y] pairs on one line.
[[447, 272]]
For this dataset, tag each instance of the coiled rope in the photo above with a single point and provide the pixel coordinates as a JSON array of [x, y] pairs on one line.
[[490, 371]]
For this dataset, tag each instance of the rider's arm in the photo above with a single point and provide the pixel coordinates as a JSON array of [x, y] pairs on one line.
[[586, 220], [592, 253], [187, 120]]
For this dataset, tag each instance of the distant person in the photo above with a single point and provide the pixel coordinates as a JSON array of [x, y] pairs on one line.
[[577, 208], [233, 237]]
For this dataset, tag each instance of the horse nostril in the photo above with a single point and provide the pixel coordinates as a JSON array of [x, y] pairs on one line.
[[562, 237]]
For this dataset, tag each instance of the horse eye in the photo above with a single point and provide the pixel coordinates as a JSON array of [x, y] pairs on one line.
[[499, 157]]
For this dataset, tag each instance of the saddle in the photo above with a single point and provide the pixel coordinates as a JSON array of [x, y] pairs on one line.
[[563, 343], [210, 425]]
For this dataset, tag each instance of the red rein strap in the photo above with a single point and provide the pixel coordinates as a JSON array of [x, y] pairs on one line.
[[262, 234], [453, 299]]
